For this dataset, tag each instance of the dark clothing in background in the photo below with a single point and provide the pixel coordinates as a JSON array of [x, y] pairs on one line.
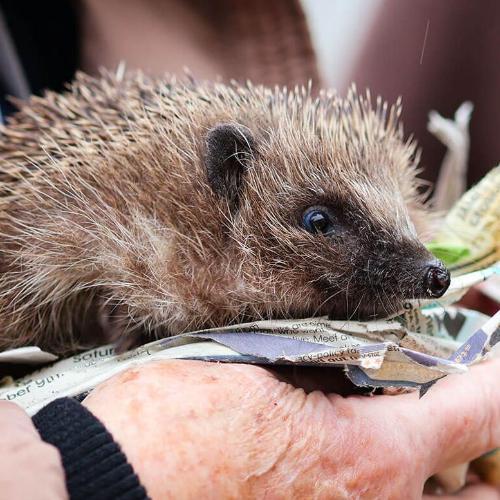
[[45, 37]]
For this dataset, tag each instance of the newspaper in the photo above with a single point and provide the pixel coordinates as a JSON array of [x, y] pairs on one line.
[[30, 355], [474, 224]]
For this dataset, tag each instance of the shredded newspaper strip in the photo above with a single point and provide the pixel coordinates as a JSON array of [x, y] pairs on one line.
[[454, 134], [426, 341]]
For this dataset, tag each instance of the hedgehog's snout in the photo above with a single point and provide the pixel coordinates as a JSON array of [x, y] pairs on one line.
[[436, 279]]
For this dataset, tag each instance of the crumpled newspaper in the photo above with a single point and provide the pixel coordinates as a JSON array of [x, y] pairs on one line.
[[454, 134], [427, 340]]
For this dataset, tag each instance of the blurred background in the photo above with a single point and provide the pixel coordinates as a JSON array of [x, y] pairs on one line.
[[435, 54]]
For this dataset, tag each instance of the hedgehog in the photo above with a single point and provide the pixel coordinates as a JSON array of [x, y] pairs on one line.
[[134, 207]]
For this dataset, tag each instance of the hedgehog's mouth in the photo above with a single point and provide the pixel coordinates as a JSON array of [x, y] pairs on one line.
[[385, 299], [363, 304], [367, 311]]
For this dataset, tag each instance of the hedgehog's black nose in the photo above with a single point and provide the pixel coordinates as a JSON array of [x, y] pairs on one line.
[[437, 280]]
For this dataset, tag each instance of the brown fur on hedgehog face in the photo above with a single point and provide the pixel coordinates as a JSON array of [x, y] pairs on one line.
[[134, 206], [369, 262]]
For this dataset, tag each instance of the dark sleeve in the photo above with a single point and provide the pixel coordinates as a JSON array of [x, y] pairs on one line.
[[95, 466]]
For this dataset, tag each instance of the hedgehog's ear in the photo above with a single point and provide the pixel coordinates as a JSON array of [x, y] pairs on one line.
[[229, 148]]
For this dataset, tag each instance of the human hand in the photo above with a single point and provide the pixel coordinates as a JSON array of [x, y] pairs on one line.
[[193, 429], [29, 468]]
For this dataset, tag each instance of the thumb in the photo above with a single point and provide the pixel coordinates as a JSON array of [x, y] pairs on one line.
[[462, 415], [474, 492]]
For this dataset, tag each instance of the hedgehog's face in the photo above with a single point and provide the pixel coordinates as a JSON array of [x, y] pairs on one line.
[[322, 235]]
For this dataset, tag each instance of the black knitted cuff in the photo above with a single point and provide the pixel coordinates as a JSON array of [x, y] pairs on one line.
[[95, 466]]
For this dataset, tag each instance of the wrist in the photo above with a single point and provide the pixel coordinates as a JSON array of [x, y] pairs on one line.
[[94, 465]]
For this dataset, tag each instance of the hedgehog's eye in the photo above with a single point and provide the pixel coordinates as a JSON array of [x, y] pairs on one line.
[[317, 220]]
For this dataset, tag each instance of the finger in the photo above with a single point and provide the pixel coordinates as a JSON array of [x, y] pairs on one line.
[[461, 416], [474, 492], [13, 416], [463, 114]]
